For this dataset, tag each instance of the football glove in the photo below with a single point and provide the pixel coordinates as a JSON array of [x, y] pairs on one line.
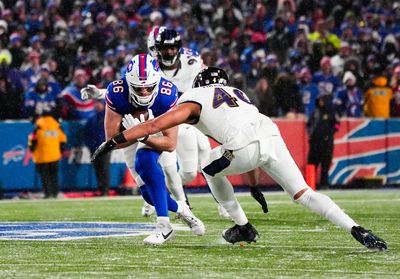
[[129, 121], [102, 150], [90, 92]]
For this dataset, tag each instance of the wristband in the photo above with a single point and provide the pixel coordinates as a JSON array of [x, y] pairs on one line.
[[120, 138]]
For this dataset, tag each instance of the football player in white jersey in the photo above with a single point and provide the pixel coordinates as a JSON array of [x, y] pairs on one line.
[[248, 140], [181, 66]]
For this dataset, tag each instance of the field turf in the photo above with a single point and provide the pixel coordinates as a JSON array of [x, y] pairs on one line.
[[294, 243]]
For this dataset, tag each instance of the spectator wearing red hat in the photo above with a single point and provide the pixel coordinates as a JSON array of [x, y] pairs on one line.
[[74, 107], [308, 89], [107, 75], [326, 81], [32, 68]]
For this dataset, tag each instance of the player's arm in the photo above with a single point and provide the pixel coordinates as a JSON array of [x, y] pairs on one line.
[[183, 113], [112, 124], [167, 142]]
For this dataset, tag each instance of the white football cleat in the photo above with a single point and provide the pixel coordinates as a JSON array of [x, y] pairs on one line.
[[163, 233], [147, 209], [223, 213], [187, 216]]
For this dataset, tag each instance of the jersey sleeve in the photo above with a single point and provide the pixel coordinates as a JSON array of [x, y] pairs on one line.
[[168, 93], [112, 97], [189, 96]]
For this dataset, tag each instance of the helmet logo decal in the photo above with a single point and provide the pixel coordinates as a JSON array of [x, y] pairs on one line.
[[155, 64], [130, 66]]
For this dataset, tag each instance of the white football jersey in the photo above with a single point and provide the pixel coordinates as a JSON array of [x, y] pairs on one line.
[[183, 77], [228, 116]]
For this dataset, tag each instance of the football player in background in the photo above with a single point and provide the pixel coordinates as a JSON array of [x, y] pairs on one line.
[[248, 140], [181, 66], [143, 88]]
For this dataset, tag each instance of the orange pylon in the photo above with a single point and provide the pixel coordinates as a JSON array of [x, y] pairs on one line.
[[311, 176]]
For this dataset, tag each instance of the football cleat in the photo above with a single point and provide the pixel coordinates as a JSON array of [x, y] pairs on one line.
[[368, 239], [240, 233], [163, 233], [223, 213], [194, 223], [147, 210]]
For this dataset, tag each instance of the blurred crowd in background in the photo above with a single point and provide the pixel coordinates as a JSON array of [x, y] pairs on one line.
[[283, 53]]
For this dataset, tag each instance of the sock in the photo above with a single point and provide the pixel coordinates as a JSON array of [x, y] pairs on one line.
[[163, 220], [152, 175], [222, 190], [259, 197], [324, 206]]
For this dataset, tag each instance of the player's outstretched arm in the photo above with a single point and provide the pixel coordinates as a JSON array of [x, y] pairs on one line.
[[183, 113], [92, 92]]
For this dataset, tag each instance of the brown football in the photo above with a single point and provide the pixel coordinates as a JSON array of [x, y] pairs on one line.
[[137, 114]]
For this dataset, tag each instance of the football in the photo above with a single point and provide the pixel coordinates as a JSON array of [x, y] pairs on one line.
[[137, 114]]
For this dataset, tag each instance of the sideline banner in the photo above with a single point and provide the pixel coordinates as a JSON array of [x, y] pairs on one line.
[[363, 147], [17, 171]]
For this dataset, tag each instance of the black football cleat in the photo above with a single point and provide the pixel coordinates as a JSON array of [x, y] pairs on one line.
[[240, 233], [368, 239]]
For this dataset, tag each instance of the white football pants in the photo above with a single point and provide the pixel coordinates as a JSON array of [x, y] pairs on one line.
[[273, 157], [192, 149]]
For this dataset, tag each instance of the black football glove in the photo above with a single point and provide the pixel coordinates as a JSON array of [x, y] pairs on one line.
[[107, 146], [102, 150]]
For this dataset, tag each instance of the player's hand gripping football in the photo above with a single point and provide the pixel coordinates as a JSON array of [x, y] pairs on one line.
[[90, 92], [129, 121]]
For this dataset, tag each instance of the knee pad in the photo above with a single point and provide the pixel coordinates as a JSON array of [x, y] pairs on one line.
[[187, 176]]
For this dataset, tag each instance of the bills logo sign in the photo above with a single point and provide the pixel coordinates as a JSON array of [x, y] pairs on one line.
[[366, 148], [73, 230], [16, 154]]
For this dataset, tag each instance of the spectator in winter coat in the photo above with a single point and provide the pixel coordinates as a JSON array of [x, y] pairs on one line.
[[321, 127], [349, 99], [47, 143], [288, 98], [94, 136], [309, 91], [377, 98]]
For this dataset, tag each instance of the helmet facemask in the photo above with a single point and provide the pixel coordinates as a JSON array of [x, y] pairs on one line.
[[167, 44], [143, 95], [165, 56]]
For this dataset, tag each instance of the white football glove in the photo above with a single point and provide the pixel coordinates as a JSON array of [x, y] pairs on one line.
[[90, 92], [129, 121]]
